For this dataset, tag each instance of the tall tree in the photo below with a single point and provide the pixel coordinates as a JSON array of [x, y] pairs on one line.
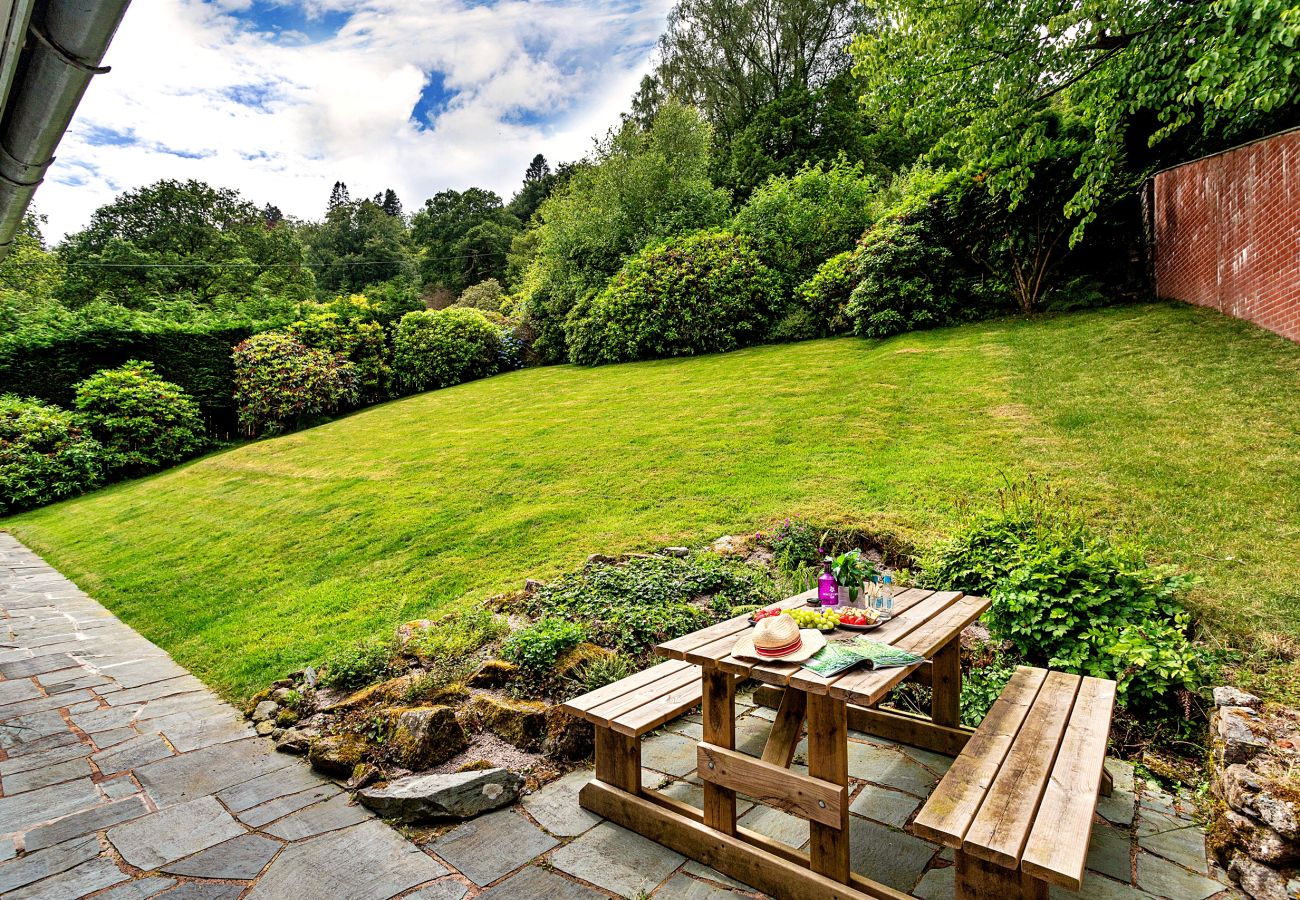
[[732, 57], [539, 183], [979, 81], [389, 203], [441, 229], [180, 239], [338, 196], [358, 244]]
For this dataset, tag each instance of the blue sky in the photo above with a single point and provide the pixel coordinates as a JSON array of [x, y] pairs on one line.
[[280, 99]]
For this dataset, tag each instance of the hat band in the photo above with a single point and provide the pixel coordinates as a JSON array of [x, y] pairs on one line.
[[780, 651]]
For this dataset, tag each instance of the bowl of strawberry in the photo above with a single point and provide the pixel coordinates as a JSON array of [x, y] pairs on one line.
[[766, 613], [858, 620]]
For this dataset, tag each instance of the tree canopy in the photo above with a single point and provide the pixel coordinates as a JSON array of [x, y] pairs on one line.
[[465, 236]]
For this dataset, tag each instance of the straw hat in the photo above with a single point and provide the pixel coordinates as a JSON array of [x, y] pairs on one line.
[[778, 638]]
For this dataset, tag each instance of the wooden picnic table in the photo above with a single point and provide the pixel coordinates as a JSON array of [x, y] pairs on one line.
[[927, 623]]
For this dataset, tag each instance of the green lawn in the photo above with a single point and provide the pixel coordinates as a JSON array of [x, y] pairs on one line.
[[1168, 422]]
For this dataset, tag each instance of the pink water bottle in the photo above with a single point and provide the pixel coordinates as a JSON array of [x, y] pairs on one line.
[[828, 589]]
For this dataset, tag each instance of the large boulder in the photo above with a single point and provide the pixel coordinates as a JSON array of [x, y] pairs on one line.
[[426, 736], [518, 722], [459, 795], [293, 740], [567, 737], [383, 692], [265, 710], [493, 673], [1238, 733], [337, 754]]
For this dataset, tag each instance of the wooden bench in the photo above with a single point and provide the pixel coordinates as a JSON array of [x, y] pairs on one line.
[[626, 709], [1018, 802]]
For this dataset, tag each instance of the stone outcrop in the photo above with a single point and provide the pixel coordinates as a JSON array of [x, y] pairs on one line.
[[424, 737], [493, 673], [1255, 762], [460, 795], [518, 722], [337, 754]]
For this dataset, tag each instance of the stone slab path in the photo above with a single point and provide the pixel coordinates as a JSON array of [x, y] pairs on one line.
[[122, 776]]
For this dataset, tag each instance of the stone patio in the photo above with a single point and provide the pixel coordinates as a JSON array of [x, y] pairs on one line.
[[122, 776]]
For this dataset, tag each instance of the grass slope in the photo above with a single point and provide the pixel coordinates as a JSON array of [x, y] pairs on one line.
[[1168, 422]]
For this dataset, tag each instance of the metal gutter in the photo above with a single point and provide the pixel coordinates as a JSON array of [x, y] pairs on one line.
[[65, 44]]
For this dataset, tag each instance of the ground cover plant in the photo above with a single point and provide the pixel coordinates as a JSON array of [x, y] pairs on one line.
[[252, 562]]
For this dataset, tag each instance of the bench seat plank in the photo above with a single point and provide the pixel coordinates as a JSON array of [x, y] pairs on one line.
[[1058, 844], [956, 801], [1002, 824], [606, 713], [579, 706]]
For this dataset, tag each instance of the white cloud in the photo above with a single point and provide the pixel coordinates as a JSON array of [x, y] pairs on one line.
[[224, 93]]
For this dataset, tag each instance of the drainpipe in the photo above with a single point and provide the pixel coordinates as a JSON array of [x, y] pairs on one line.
[[65, 43]]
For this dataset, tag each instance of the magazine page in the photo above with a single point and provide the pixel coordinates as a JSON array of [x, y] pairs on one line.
[[838, 656]]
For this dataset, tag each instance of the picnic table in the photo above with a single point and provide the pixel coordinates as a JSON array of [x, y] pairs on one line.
[[926, 623]]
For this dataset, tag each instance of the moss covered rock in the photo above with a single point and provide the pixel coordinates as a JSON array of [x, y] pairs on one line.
[[568, 737], [384, 692], [571, 661], [425, 736], [494, 673], [518, 722], [337, 754]]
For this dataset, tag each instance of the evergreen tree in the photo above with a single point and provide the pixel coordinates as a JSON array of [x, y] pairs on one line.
[[338, 197]]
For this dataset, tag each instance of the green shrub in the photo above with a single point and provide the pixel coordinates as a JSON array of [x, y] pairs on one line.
[[486, 295], [142, 421], [794, 545], [637, 604], [45, 454], [360, 342], [280, 383], [1070, 599], [433, 349], [796, 222], [907, 279], [458, 633], [696, 293], [981, 687], [825, 296], [797, 324], [362, 663], [537, 647], [603, 670]]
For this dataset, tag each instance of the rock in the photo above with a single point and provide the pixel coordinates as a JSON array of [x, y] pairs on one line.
[[424, 737], [567, 737], [264, 728], [337, 754], [279, 695], [1260, 842], [286, 718], [309, 677], [282, 683], [679, 552], [601, 559], [1257, 879], [532, 585], [384, 692], [1263, 797], [460, 795], [478, 765], [1235, 731], [1231, 696], [730, 545], [293, 741], [493, 673], [1280, 813], [364, 774], [408, 630], [265, 710], [519, 722]]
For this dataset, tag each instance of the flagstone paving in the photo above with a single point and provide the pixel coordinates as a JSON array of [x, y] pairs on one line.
[[122, 777]]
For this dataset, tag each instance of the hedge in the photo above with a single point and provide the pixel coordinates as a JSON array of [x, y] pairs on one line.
[[49, 365]]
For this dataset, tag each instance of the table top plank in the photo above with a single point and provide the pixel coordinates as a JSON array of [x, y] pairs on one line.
[[952, 807], [1002, 825], [678, 648], [1058, 844]]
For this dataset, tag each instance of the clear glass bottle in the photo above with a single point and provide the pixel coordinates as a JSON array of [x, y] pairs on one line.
[[828, 590], [887, 597]]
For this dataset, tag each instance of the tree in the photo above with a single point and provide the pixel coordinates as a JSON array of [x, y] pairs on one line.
[[389, 203], [732, 57], [539, 183], [640, 185], [338, 197], [272, 215], [647, 100], [181, 240], [457, 251], [358, 244], [974, 81]]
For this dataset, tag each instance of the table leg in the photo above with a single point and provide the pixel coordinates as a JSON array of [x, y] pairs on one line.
[[828, 759], [786, 728], [945, 685], [719, 707]]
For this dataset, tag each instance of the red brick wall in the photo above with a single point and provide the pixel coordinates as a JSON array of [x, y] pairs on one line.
[[1227, 233]]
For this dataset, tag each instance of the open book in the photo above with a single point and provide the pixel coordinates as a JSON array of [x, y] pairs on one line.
[[838, 657]]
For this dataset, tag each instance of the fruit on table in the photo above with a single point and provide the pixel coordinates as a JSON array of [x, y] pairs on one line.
[[822, 619], [766, 613], [857, 617]]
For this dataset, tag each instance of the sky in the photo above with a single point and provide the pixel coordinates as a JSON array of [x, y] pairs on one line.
[[280, 98]]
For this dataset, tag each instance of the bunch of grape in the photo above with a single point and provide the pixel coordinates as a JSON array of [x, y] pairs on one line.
[[810, 617]]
